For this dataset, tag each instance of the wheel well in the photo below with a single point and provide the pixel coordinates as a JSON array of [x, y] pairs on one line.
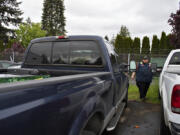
[[95, 123]]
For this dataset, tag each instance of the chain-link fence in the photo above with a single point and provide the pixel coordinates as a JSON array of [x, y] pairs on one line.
[[155, 57], [12, 56]]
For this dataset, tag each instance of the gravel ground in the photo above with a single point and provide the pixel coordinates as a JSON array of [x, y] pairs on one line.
[[139, 118]]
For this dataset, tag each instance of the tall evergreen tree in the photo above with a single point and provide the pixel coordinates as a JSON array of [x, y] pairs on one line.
[[119, 43], [53, 19], [136, 45], [10, 14], [123, 42], [145, 46], [163, 44], [128, 48], [155, 45], [124, 32]]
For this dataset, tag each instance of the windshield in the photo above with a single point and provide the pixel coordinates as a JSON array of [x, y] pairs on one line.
[[65, 53], [175, 59]]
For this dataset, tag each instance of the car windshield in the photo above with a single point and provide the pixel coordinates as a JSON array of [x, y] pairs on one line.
[[175, 59], [5, 64], [65, 53]]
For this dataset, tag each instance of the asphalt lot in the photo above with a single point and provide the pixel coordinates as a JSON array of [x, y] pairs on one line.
[[138, 119]]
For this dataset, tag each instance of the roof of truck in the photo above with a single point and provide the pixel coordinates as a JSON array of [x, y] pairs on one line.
[[71, 37]]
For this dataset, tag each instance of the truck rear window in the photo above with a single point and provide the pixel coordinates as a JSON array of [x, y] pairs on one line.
[[65, 53]]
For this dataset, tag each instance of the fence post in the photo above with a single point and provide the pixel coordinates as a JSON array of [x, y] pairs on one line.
[[129, 56]]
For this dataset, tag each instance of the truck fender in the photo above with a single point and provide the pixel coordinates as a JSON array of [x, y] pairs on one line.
[[92, 107], [165, 104]]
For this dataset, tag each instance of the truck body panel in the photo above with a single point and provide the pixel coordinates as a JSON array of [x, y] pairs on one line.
[[63, 103]]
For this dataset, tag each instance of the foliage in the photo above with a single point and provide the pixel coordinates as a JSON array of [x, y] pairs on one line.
[[128, 46], [145, 46], [169, 43], [10, 15], [174, 21], [136, 45], [155, 45], [119, 44], [53, 19], [123, 41], [124, 32], [29, 31], [164, 49]]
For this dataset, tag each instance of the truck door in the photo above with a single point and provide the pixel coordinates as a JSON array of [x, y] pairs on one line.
[[118, 76]]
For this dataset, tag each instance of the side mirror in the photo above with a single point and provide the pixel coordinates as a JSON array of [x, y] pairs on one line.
[[132, 66], [123, 67]]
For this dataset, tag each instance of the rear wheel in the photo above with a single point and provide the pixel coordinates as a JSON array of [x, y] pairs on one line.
[[164, 130], [84, 132], [159, 96], [126, 100]]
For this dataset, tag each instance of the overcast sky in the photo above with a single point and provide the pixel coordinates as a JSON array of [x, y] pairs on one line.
[[105, 17]]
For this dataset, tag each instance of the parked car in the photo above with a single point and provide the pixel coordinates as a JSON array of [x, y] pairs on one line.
[[5, 64], [15, 65], [84, 93], [169, 89]]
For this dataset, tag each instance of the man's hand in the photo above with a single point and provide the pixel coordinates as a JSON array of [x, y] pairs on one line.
[[133, 75]]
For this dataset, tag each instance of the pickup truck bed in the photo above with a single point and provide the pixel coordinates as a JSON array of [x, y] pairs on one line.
[[57, 95]]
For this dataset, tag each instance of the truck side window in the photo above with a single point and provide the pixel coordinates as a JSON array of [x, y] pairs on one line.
[[175, 59], [38, 54], [113, 57]]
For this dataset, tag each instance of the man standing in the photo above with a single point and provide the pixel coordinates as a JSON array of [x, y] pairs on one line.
[[143, 77]]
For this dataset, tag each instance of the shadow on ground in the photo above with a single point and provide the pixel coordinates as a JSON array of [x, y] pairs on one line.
[[139, 119]]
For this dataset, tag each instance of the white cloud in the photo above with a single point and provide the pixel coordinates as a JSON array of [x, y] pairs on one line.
[[105, 17]]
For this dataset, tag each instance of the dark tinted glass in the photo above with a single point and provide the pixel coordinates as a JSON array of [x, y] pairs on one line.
[[76, 53], [84, 53], [113, 57], [175, 59], [39, 53], [60, 53]]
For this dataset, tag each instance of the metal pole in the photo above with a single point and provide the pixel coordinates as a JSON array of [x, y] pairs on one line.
[[129, 55]]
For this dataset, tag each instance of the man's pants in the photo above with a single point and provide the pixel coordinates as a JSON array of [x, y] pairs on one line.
[[143, 88]]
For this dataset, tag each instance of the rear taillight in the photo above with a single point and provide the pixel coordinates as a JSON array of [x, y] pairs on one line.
[[62, 37], [175, 99]]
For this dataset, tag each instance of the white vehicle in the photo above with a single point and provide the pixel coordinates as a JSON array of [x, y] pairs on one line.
[[169, 90]]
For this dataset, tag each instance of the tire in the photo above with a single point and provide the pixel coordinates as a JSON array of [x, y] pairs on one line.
[[87, 133], [164, 130], [159, 96], [126, 100]]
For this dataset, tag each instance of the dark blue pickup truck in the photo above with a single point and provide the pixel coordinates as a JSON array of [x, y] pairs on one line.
[[85, 92]]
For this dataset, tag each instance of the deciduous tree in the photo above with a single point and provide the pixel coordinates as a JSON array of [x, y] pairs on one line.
[[28, 31], [174, 21]]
